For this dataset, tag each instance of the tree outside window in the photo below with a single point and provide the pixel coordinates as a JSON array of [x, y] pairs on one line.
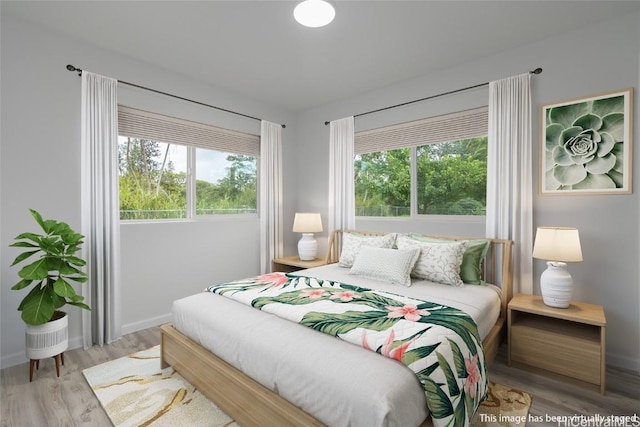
[[154, 182], [450, 180], [383, 183]]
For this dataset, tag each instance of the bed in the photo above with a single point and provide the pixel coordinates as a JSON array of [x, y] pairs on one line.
[[260, 393]]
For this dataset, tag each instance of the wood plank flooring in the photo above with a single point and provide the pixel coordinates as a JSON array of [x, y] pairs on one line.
[[68, 400], [552, 398]]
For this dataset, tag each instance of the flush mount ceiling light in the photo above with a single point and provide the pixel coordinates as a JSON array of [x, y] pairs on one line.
[[314, 13]]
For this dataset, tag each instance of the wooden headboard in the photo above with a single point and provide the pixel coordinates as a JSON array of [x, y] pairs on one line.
[[497, 266]]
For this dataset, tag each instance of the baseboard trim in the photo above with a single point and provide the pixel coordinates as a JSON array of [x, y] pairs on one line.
[[9, 360], [147, 323], [623, 362], [13, 359], [19, 358]]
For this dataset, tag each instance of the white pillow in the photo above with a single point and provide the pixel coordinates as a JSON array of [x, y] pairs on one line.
[[352, 242], [438, 262], [389, 265]]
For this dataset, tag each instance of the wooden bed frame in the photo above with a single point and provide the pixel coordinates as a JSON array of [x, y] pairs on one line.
[[250, 403]]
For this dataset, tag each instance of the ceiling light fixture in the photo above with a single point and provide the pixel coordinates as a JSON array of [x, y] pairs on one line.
[[314, 13]]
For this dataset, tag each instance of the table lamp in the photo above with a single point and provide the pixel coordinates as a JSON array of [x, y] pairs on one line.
[[557, 245], [307, 224]]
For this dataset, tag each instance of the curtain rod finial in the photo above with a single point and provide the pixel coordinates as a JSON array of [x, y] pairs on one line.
[[326, 123], [537, 71], [72, 68]]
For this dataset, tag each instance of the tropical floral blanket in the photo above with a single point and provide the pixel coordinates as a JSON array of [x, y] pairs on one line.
[[439, 344]]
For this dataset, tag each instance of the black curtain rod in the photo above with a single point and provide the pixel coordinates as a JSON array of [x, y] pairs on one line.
[[536, 71], [72, 68]]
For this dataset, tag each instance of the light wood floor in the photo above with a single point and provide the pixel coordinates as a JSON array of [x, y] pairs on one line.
[[68, 400]]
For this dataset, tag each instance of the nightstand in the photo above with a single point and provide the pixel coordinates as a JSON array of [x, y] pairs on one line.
[[565, 343], [288, 264]]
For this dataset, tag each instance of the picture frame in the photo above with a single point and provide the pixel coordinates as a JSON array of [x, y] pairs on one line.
[[586, 145]]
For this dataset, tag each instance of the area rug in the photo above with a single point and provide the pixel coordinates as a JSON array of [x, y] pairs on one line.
[[134, 391], [504, 406]]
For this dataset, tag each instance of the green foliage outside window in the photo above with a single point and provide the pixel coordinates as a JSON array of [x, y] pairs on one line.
[[383, 183], [151, 188], [451, 180], [235, 193]]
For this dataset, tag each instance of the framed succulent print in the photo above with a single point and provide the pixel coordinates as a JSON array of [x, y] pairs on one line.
[[586, 145]]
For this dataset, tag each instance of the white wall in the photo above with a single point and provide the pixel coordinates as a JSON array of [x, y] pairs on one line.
[[593, 60], [40, 168]]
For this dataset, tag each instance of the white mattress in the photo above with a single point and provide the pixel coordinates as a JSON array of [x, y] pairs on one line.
[[338, 383]]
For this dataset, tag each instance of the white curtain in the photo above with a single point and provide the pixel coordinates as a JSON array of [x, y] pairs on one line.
[[509, 177], [270, 194], [342, 205], [100, 209]]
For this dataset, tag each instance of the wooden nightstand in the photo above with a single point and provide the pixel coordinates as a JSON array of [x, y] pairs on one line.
[[288, 264], [566, 343]]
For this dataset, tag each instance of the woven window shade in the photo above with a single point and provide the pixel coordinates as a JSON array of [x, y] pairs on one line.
[[136, 123], [449, 127]]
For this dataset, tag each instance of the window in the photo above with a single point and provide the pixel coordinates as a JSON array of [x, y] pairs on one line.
[[171, 168], [434, 166], [383, 183], [452, 177], [152, 179], [226, 183]]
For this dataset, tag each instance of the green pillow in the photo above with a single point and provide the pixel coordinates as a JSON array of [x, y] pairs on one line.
[[471, 267]]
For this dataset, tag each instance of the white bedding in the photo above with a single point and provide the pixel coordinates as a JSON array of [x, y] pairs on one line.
[[326, 377], [482, 303]]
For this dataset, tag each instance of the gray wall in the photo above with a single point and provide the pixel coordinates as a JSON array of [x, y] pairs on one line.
[[597, 59], [40, 169]]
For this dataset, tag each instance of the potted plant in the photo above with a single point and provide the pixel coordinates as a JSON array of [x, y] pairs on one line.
[[51, 276]]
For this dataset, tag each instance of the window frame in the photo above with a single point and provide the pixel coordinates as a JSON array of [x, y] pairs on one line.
[[475, 124], [191, 191], [140, 124]]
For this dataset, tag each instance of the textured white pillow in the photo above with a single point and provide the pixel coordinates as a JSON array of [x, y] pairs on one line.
[[389, 265], [438, 262], [352, 242]]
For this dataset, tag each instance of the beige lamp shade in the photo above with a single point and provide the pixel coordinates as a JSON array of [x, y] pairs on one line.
[[557, 244], [307, 223]]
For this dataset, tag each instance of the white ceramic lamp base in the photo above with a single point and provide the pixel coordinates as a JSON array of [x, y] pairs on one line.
[[556, 285], [307, 247]]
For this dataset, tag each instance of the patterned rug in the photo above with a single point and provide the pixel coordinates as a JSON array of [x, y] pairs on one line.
[[134, 391], [504, 406]]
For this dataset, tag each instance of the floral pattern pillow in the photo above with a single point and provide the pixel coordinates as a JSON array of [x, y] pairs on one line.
[[352, 242], [438, 262]]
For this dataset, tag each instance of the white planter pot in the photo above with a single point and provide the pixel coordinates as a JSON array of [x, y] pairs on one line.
[[48, 339]]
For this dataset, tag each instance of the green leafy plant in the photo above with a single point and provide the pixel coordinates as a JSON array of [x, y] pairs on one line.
[[52, 274]]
